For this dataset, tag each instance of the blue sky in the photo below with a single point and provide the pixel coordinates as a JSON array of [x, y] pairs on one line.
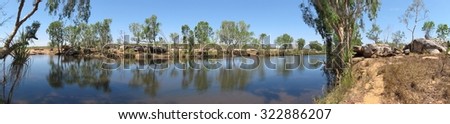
[[274, 17]]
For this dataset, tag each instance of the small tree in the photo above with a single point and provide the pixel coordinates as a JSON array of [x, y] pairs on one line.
[[175, 38], [300, 43], [416, 12], [397, 38], [443, 31], [284, 40], [427, 28], [374, 33], [315, 45]]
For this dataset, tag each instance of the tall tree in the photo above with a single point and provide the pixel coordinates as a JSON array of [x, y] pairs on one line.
[[262, 37], [175, 38], [104, 32], [233, 34], [443, 31], [300, 43], [138, 32], [55, 32], [68, 8], [203, 32], [227, 33], [397, 38], [428, 27], [243, 34], [284, 40], [72, 35], [415, 13], [185, 31], [151, 28], [374, 33], [338, 17]]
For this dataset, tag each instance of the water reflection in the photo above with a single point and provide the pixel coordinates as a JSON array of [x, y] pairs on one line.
[[81, 80], [83, 72]]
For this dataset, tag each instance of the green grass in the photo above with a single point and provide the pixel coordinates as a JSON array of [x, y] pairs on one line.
[[337, 94]]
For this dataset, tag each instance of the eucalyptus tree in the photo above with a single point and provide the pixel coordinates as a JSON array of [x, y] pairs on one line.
[[185, 31], [262, 37], [55, 32], [397, 38], [175, 38], [339, 18], [64, 8], [88, 35], [104, 32], [138, 32], [203, 32], [428, 27], [284, 40], [227, 33], [415, 13], [300, 43], [443, 31], [243, 34], [151, 28], [374, 33], [315, 45], [72, 35]]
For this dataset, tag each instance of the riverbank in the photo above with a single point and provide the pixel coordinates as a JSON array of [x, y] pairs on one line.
[[413, 79], [182, 52]]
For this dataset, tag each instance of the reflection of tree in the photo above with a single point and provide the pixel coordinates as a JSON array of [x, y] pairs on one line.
[[83, 72], [11, 79], [233, 79], [146, 79]]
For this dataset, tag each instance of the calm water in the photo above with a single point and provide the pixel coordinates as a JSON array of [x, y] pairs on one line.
[[49, 79]]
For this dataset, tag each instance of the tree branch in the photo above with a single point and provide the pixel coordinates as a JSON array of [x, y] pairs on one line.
[[7, 47]]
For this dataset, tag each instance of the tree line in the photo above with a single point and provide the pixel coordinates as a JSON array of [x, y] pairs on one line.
[[79, 36]]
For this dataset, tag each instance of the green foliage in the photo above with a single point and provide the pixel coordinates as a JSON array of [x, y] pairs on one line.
[[82, 7], [397, 38], [443, 31], [315, 45], [151, 28], [21, 53], [300, 43], [72, 35], [56, 34], [374, 33], [338, 18], [427, 28], [138, 32], [232, 33], [104, 32], [185, 31], [284, 40], [203, 32], [175, 37]]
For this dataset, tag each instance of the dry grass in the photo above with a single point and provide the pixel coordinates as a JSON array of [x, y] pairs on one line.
[[415, 80]]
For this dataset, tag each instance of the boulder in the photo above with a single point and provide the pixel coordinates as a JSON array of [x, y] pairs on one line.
[[422, 45], [377, 50]]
